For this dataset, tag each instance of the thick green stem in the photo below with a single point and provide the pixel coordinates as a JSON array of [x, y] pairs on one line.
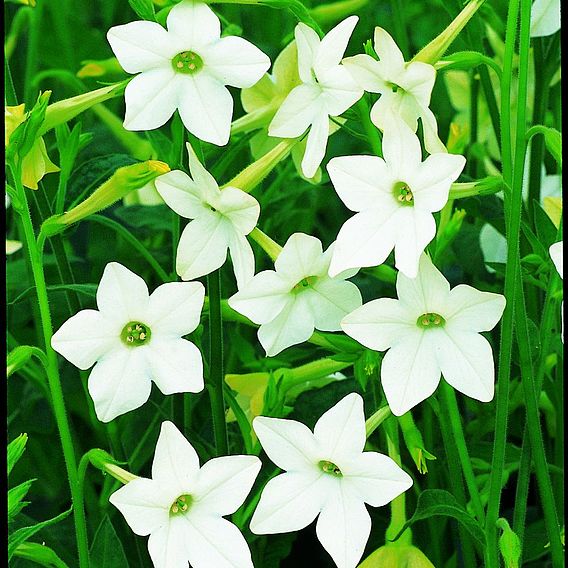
[[215, 384]]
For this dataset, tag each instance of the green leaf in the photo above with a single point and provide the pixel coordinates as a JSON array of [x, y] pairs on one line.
[[106, 550], [15, 496], [553, 141], [144, 9], [86, 289], [15, 450], [21, 535], [40, 554], [437, 502], [509, 544], [142, 217], [545, 229]]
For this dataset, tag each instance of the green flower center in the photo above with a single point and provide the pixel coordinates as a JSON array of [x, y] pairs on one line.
[[187, 62], [181, 504], [135, 334], [396, 88], [429, 320], [402, 193], [304, 284], [330, 467]]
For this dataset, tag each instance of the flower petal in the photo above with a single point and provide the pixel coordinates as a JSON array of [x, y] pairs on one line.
[[340, 91], [167, 546], [340, 432], [307, 41], [333, 45], [140, 46], [316, 145], [176, 365], [182, 194], [84, 338], [242, 258], [194, 23], [545, 17], [432, 141], [343, 527], [223, 484], [290, 502], [556, 254], [298, 257], [176, 463], [410, 372], [379, 324], [331, 300], [235, 61], [241, 208], [206, 108], [367, 72], [119, 382], [377, 478], [151, 98], [466, 361], [418, 81], [288, 443], [472, 310], [388, 51], [401, 149], [203, 246]]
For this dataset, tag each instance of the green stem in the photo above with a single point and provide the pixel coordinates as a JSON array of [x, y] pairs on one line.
[[53, 378], [216, 373], [373, 134]]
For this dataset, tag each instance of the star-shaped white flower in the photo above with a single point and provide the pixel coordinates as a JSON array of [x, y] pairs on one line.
[[297, 297], [557, 255], [185, 67], [221, 220], [183, 505], [430, 330], [327, 89], [405, 88], [326, 474], [134, 338], [394, 199]]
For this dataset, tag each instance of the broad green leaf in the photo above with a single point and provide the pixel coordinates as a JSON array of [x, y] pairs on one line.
[[144, 9], [15, 496], [106, 550], [15, 450], [86, 289], [40, 554]]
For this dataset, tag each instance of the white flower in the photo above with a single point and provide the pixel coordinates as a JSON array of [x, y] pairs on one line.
[[556, 251], [221, 220], [430, 330], [405, 88], [326, 474], [545, 17], [185, 68], [394, 199], [182, 506], [296, 298], [327, 89], [135, 338]]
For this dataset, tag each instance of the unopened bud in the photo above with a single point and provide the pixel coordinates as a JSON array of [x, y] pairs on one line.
[[396, 556], [484, 186], [99, 68], [330, 13], [509, 544], [106, 463]]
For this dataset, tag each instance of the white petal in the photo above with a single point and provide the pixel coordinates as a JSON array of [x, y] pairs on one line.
[[85, 338], [223, 484], [557, 255], [469, 309], [545, 17], [288, 443], [151, 98], [242, 258], [340, 431], [340, 91], [316, 145], [331, 300], [176, 463], [140, 46], [367, 72], [176, 365], [182, 194], [299, 257], [362, 182], [334, 44], [366, 239], [201, 177], [175, 308], [293, 325], [432, 142], [431, 182], [418, 81], [379, 324], [428, 292], [241, 208], [290, 502], [297, 112], [144, 504], [401, 149], [235, 61], [466, 361], [389, 53], [415, 230], [194, 23], [203, 246], [206, 108], [410, 372], [119, 382], [307, 41], [262, 298], [343, 527], [167, 546], [377, 478]]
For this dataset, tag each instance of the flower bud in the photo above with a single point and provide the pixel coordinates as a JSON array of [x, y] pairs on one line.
[[397, 556], [509, 545], [414, 442], [484, 186], [326, 14], [106, 463], [99, 68]]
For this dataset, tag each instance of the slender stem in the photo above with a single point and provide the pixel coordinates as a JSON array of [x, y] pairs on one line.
[[52, 372], [373, 134], [215, 386]]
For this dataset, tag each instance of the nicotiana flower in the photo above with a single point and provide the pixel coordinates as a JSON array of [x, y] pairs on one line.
[[430, 330], [327, 89], [297, 297], [183, 505], [326, 474], [557, 254], [394, 199], [135, 338], [405, 88], [221, 220], [185, 68]]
